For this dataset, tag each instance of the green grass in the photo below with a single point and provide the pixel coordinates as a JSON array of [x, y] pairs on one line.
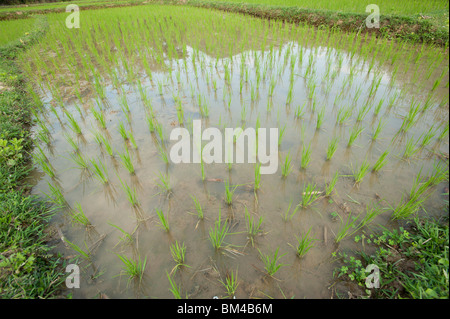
[[218, 233], [304, 244], [134, 269], [231, 283], [253, 227], [271, 263], [178, 253], [163, 221]]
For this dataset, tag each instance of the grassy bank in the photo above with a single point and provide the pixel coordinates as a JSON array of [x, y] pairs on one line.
[[27, 268]]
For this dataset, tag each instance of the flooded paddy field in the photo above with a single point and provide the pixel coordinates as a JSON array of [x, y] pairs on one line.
[[362, 141]]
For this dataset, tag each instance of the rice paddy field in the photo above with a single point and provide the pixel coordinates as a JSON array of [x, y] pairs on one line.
[[362, 143]]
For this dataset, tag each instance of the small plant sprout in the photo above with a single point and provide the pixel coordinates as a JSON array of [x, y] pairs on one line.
[[286, 168], [127, 162], [218, 233], [130, 193], [174, 290], [164, 184], [310, 194], [231, 283], [332, 147], [178, 253], [271, 263], [306, 156], [163, 221], [381, 161], [100, 171], [253, 227], [229, 192], [198, 208], [330, 186], [354, 135], [257, 183], [78, 216], [359, 173], [134, 269], [304, 244]]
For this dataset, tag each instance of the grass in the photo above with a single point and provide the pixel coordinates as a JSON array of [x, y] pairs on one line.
[[127, 162], [306, 156], [231, 283], [163, 221], [330, 186], [218, 233], [310, 195], [287, 167], [178, 253], [79, 217], [359, 173], [355, 133], [253, 227], [134, 269], [332, 147], [381, 161], [271, 263], [229, 192], [198, 208], [304, 244]]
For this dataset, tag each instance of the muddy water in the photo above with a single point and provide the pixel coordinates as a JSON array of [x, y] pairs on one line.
[[309, 277]]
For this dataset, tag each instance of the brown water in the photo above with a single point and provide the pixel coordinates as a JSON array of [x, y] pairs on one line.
[[309, 277]]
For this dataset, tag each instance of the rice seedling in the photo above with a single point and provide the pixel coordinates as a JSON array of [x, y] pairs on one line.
[[85, 254], [306, 156], [123, 132], [354, 135], [229, 192], [427, 137], [330, 186], [286, 168], [253, 227], [130, 193], [132, 140], [79, 217], [281, 134], [163, 154], [411, 148], [174, 290], [164, 183], [381, 161], [441, 173], [346, 229], [231, 283], [378, 130], [163, 221], [99, 117], [218, 233], [271, 263], [56, 196], [107, 145], [134, 269], [310, 195], [359, 173], [127, 162], [320, 118], [332, 147], [304, 244], [198, 208], [73, 123], [127, 238], [257, 182], [80, 161], [71, 142], [100, 171], [178, 253], [300, 110], [444, 132]]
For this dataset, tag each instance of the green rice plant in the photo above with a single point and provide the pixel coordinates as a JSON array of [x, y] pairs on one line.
[[198, 208], [43, 137], [72, 143], [332, 147], [127, 238], [130, 193], [304, 244], [107, 145], [320, 118], [86, 255], [309, 195], [134, 269], [218, 233], [343, 114], [286, 215], [330, 186], [381, 161], [354, 135], [163, 221], [281, 134], [99, 117], [346, 229], [80, 161], [411, 148], [163, 154], [441, 173], [271, 263], [123, 131], [174, 290], [132, 140], [444, 132], [73, 123], [100, 171], [56, 196], [427, 137], [306, 156], [363, 112], [300, 110], [378, 130], [359, 173], [378, 107], [286, 168], [150, 123], [164, 184], [178, 253], [229, 192], [257, 183], [79, 217], [253, 227], [127, 162], [231, 283]]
